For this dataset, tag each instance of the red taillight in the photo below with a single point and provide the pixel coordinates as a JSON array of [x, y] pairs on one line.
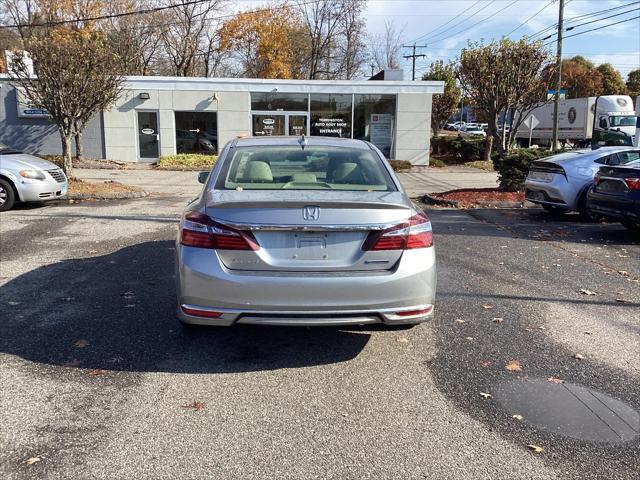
[[196, 312], [412, 313], [414, 233], [633, 183], [199, 230], [596, 179]]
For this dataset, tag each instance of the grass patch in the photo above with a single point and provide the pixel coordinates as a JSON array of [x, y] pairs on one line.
[[486, 165], [187, 161]]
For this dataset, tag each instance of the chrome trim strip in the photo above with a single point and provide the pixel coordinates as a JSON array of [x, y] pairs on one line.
[[308, 313], [305, 228]]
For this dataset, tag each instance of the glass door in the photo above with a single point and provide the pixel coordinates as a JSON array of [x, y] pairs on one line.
[[268, 124], [148, 136], [297, 124]]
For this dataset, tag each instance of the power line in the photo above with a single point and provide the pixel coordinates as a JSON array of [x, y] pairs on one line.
[[446, 23], [460, 22], [475, 24], [603, 18], [582, 17], [597, 28], [530, 18], [142, 11]]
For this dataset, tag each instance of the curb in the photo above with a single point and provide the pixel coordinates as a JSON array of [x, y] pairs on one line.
[[105, 196], [429, 200]]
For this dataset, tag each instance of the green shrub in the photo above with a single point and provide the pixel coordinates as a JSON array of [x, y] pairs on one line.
[[187, 161], [513, 168], [455, 146], [400, 165], [436, 162]]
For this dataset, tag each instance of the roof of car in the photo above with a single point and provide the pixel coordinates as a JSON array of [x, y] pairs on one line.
[[295, 141], [585, 153]]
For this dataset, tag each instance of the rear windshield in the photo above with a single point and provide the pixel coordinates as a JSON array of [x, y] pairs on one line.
[[628, 157], [277, 167]]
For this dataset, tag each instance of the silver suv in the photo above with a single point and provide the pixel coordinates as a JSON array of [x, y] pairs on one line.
[[25, 178]]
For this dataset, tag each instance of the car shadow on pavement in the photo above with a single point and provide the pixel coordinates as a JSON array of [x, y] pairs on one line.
[[117, 312]]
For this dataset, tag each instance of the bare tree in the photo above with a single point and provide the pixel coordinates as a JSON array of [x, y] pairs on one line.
[[76, 77], [327, 23], [186, 36], [386, 48]]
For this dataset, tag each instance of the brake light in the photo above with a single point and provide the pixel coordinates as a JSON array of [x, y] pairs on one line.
[[199, 230], [633, 183], [414, 233]]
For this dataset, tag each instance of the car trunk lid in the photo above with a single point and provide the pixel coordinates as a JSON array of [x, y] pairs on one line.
[[322, 232]]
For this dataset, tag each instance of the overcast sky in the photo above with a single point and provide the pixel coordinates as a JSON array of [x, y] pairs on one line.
[[424, 21]]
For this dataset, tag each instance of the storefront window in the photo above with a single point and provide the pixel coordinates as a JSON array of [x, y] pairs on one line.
[[374, 121], [297, 102], [331, 115], [196, 132]]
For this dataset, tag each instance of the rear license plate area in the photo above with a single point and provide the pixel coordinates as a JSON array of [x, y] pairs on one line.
[[310, 246]]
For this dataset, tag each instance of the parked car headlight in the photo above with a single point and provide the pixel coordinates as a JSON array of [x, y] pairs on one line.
[[33, 174]]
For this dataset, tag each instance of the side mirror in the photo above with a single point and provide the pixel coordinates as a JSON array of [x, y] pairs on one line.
[[202, 177]]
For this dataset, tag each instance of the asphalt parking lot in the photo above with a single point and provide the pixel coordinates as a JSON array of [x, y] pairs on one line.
[[100, 381]]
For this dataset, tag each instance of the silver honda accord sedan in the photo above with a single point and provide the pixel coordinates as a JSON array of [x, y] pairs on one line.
[[304, 231]]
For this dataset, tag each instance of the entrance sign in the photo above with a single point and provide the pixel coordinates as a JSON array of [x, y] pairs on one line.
[[381, 132]]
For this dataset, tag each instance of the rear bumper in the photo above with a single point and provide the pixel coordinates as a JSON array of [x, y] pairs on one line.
[[557, 192], [615, 207], [278, 298]]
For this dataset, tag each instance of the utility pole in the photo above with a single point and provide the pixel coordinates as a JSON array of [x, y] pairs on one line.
[[413, 57], [372, 68], [556, 104]]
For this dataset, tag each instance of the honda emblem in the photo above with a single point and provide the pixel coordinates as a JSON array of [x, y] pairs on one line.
[[311, 213]]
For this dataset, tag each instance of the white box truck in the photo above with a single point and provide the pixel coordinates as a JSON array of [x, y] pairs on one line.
[[603, 120]]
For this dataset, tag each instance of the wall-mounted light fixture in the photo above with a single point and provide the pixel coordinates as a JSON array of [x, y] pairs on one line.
[[215, 96], [144, 96]]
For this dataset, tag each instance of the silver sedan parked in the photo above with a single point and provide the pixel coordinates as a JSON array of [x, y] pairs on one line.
[[313, 231], [560, 183], [26, 178]]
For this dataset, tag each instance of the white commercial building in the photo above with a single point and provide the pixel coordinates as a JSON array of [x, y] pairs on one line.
[[159, 116]]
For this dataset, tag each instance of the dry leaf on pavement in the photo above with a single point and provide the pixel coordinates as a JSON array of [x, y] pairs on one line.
[[498, 320], [578, 356], [197, 406], [513, 366], [517, 417], [623, 300], [96, 372], [487, 306], [555, 380], [535, 448], [459, 320], [584, 291], [81, 343], [484, 395], [33, 460], [486, 363], [402, 339]]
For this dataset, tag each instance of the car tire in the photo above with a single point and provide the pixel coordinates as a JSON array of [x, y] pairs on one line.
[[583, 209], [7, 196]]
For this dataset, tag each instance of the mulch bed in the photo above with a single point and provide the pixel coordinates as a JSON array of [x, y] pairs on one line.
[[83, 187], [480, 197]]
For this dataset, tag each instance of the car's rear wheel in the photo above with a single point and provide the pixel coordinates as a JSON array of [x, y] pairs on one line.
[[585, 213], [7, 196]]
